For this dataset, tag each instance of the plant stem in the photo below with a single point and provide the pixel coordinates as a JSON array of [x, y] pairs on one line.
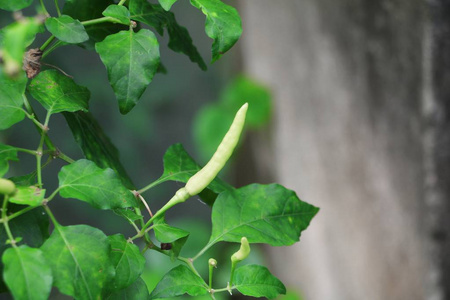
[[209, 245], [53, 47], [191, 266], [52, 217], [57, 8], [5, 221], [153, 184], [18, 213], [97, 21], [40, 149], [32, 152], [40, 127], [47, 42], [55, 192], [43, 7], [121, 2]]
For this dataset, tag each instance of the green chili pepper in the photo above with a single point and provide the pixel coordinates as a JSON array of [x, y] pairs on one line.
[[202, 178]]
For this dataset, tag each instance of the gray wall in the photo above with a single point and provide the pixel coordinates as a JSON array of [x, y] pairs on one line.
[[361, 129]]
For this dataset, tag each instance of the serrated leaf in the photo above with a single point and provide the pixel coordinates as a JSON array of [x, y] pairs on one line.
[[58, 93], [27, 273], [84, 10], [178, 281], [268, 214], [32, 227], [120, 13], [7, 153], [179, 166], [137, 291], [131, 60], [14, 5], [179, 39], [28, 195], [256, 281], [96, 145], [101, 188], [79, 258], [223, 25], [127, 261], [67, 29], [16, 38], [168, 234], [11, 100]]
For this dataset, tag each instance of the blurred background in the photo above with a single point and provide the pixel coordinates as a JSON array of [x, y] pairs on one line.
[[354, 117]]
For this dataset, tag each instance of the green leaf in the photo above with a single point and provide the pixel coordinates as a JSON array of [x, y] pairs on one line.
[[14, 5], [7, 153], [120, 13], [137, 291], [167, 4], [170, 235], [268, 214], [27, 273], [212, 121], [11, 100], [244, 89], [131, 60], [256, 281], [127, 261], [67, 29], [223, 25], [79, 258], [179, 39], [32, 227], [28, 195], [25, 180], [178, 281], [96, 145], [101, 188], [84, 10], [16, 38], [128, 214], [179, 166], [58, 93]]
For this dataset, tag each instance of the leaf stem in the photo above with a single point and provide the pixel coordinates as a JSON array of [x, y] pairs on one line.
[[18, 213], [40, 149], [209, 245], [121, 2], [52, 217], [55, 192], [32, 152], [153, 184], [57, 8], [5, 221], [53, 47], [40, 127], [97, 21], [47, 43], [191, 266], [44, 8]]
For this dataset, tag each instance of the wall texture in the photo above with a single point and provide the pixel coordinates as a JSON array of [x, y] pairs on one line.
[[362, 129]]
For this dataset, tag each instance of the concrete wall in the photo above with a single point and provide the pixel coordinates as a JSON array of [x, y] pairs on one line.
[[362, 129]]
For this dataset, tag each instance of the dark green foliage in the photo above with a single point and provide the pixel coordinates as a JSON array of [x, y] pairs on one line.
[[81, 261]]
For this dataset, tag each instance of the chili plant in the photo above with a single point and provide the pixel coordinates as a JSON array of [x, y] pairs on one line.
[[80, 260]]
